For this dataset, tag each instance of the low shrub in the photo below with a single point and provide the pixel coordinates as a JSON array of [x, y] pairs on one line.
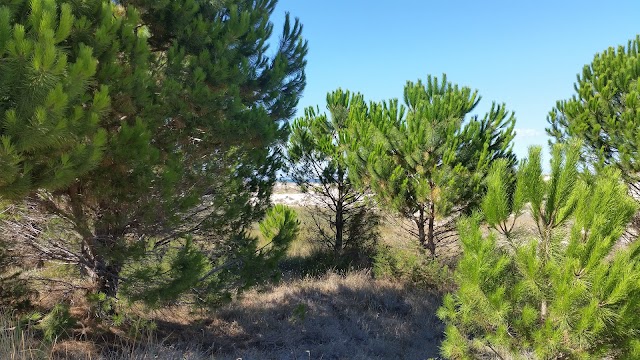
[[414, 266], [57, 323]]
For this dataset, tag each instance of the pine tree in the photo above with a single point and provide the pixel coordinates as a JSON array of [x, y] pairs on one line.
[[604, 112], [426, 160], [317, 153], [190, 150], [563, 289]]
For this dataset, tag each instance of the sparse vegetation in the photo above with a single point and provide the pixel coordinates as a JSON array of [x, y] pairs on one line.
[[317, 317], [17, 342], [140, 143]]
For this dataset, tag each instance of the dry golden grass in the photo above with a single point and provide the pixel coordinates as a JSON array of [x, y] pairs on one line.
[[17, 344], [330, 317]]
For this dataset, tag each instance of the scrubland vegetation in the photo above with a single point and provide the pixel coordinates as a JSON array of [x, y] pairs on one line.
[[140, 146]]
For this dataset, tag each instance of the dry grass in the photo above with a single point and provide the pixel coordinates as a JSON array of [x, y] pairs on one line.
[[331, 317], [17, 344]]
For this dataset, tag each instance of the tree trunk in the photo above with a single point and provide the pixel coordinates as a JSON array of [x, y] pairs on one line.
[[339, 241], [420, 222], [101, 256], [431, 244], [107, 278], [105, 274], [339, 218]]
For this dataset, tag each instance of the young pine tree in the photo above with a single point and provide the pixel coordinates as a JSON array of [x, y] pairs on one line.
[[317, 153], [561, 290], [426, 160]]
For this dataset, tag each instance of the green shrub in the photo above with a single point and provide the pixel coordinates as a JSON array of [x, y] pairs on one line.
[[14, 290], [412, 265], [57, 323], [317, 261]]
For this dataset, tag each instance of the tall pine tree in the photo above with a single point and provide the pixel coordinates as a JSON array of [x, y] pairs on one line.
[[190, 150], [427, 159], [604, 112]]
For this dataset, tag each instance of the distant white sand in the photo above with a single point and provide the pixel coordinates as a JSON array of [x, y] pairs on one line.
[[289, 194], [291, 199]]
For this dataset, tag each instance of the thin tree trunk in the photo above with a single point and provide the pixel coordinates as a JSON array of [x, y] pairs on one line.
[[339, 243], [339, 218], [420, 223], [431, 244], [544, 257]]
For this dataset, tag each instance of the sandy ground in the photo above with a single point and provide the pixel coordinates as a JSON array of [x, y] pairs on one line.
[[289, 194]]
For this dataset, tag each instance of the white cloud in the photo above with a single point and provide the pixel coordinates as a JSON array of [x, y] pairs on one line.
[[529, 132]]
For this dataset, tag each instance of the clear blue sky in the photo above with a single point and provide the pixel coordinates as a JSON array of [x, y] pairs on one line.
[[525, 54]]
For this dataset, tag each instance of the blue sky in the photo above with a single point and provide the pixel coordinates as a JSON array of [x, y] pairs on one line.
[[525, 54]]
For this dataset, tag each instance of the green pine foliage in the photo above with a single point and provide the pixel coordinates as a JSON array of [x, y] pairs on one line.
[[317, 150], [278, 229], [427, 159], [57, 323], [258, 262], [175, 115], [565, 289], [50, 103], [604, 112]]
